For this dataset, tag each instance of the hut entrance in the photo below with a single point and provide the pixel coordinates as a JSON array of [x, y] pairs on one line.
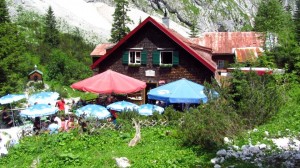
[[149, 86]]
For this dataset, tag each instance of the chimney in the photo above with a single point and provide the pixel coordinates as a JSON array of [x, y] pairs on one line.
[[165, 19]]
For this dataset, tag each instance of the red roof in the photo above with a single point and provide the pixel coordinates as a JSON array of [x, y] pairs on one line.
[[100, 49], [180, 40], [225, 42], [247, 54]]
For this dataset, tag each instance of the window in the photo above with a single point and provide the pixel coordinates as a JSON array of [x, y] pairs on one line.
[[135, 57], [166, 57], [221, 64]]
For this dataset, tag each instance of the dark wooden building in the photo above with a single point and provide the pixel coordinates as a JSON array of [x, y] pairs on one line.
[[35, 75], [154, 53]]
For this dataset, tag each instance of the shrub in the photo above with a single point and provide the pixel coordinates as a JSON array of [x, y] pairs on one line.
[[125, 119], [172, 115], [255, 98], [128, 115], [206, 126], [155, 116]]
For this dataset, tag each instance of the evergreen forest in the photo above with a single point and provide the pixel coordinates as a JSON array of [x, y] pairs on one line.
[[30, 39]]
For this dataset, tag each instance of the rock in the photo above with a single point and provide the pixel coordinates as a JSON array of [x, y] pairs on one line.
[[244, 147], [227, 140], [217, 166], [262, 146], [254, 149], [266, 133], [297, 156], [221, 160], [236, 147], [214, 160], [122, 162], [221, 152]]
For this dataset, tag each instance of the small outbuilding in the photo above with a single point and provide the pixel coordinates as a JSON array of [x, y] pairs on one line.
[[36, 75]]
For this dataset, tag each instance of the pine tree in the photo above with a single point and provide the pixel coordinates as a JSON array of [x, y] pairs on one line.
[[270, 17], [297, 21], [4, 15], [280, 29], [121, 19], [194, 30], [51, 34], [12, 61]]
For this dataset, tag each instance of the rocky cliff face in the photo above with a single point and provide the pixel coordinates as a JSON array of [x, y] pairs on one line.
[[210, 15], [94, 17]]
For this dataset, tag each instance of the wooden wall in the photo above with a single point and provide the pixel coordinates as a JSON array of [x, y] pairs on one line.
[[38, 75], [150, 38]]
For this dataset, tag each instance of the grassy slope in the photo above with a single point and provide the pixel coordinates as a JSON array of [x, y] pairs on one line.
[[155, 150], [74, 150], [285, 123]]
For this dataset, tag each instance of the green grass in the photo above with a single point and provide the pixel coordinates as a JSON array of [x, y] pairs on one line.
[[156, 149], [159, 147]]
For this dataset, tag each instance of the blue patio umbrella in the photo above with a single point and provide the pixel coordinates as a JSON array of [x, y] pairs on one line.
[[38, 110], [149, 109], [93, 110], [10, 98], [122, 106], [43, 98], [180, 91]]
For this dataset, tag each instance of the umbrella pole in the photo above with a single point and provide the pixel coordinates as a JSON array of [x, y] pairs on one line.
[[12, 112]]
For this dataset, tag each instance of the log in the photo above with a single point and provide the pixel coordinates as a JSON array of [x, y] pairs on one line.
[[137, 136]]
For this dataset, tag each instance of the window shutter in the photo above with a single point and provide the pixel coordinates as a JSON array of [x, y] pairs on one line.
[[226, 64], [155, 57], [175, 58], [125, 58], [144, 57]]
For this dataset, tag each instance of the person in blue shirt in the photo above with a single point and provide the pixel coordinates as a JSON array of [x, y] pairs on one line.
[[53, 127]]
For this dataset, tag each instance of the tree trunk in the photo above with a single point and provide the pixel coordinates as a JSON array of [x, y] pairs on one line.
[[137, 136]]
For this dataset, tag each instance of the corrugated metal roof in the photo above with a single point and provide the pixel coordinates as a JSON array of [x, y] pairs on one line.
[[247, 54], [100, 49], [203, 52], [225, 42]]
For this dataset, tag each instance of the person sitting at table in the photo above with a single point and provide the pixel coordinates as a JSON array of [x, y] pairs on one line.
[[45, 126], [53, 127], [6, 118], [37, 124], [71, 122], [57, 119], [64, 124], [113, 116]]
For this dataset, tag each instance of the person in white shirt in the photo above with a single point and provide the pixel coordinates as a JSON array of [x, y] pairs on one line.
[[58, 120], [53, 127], [67, 109]]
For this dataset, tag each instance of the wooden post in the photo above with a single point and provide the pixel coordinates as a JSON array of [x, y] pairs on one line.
[[137, 136]]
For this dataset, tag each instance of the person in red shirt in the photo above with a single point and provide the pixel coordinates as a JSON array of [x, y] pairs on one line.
[[60, 104]]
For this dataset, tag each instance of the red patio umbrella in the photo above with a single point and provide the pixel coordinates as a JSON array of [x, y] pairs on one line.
[[109, 82]]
